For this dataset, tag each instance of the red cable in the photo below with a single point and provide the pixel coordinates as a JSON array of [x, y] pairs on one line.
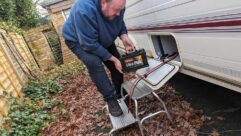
[[132, 88], [145, 75]]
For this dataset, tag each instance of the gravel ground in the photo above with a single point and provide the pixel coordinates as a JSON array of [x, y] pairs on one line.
[[221, 106]]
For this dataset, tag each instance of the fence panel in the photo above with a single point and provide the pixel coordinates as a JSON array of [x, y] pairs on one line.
[[15, 60], [24, 50]]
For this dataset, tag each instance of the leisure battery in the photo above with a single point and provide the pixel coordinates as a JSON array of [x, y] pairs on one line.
[[134, 60]]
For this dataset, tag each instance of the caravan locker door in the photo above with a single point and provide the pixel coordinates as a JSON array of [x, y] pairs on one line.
[[160, 76]]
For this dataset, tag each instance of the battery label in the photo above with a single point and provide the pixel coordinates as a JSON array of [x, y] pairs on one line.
[[134, 61]]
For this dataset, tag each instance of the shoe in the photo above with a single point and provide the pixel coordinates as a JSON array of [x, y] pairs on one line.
[[114, 107]]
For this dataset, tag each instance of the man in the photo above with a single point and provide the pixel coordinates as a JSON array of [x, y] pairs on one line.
[[90, 32]]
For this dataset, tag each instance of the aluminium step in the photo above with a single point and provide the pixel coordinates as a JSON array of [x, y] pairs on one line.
[[139, 91], [124, 120]]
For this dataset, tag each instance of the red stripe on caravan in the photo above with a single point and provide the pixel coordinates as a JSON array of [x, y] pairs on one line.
[[201, 25]]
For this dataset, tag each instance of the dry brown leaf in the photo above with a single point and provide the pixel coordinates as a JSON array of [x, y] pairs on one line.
[[220, 118], [84, 104], [214, 133], [210, 122], [192, 133]]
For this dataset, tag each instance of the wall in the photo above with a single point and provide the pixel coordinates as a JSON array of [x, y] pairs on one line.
[[40, 47], [56, 12]]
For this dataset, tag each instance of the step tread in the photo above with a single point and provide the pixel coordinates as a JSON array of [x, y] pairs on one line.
[[124, 120], [139, 91]]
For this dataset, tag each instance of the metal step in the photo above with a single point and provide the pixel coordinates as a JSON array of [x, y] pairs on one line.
[[139, 91], [122, 121]]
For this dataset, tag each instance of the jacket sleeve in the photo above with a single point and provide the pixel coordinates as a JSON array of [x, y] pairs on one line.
[[86, 30], [123, 25], [123, 29]]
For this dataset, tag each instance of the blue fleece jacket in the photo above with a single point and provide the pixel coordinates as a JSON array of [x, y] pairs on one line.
[[88, 27]]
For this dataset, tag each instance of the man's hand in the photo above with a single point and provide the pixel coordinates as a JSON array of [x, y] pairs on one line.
[[117, 63], [129, 46]]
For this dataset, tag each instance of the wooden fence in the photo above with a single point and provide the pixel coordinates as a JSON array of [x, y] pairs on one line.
[[19, 54], [16, 61]]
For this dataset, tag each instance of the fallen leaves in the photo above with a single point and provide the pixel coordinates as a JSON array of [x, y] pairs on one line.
[[85, 114], [220, 118], [214, 133]]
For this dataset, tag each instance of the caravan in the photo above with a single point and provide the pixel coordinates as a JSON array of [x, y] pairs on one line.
[[206, 34]]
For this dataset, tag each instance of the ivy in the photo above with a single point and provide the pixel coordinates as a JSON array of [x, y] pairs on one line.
[[38, 107], [36, 90], [27, 117]]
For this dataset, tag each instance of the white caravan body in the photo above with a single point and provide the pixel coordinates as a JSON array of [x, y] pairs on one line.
[[206, 33]]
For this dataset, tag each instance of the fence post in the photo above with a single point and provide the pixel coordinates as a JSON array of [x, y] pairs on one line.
[[31, 52]]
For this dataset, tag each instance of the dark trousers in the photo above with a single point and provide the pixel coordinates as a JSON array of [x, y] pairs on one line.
[[97, 72]]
